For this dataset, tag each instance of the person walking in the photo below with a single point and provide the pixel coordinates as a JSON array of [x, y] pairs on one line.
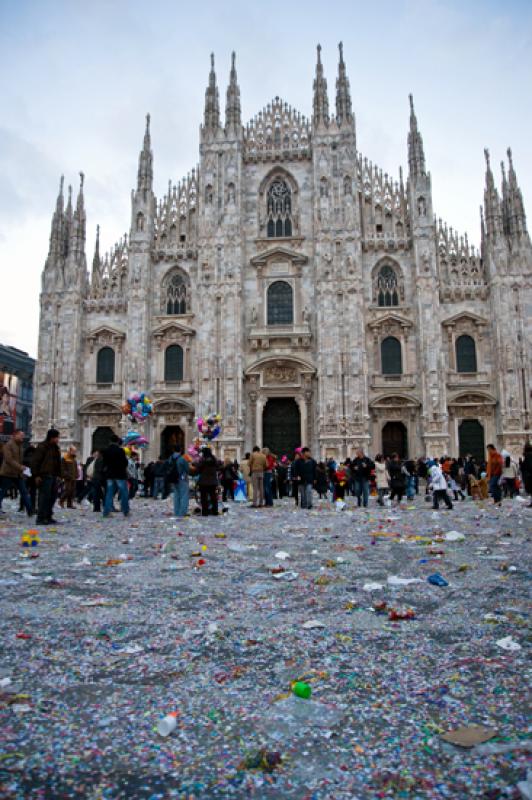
[[13, 469], [69, 475], [282, 477], [397, 478], [494, 473], [294, 476], [361, 467], [178, 476], [159, 475], [382, 478], [115, 465], [47, 472], [306, 468], [257, 466], [454, 474], [208, 483], [132, 475], [439, 487]]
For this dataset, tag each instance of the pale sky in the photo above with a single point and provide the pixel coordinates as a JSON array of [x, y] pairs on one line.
[[77, 78]]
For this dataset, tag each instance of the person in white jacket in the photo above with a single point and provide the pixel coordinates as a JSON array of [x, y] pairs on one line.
[[382, 479], [438, 483]]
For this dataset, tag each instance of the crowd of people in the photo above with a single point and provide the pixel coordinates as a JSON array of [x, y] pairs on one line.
[[39, 476]]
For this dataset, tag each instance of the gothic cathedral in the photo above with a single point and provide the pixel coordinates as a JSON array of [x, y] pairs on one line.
[[290, 285]]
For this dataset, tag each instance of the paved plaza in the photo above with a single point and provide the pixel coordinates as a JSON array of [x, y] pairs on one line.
[[119, 622]]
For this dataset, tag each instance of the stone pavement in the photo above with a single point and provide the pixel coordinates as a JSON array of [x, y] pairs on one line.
[[119, 622]]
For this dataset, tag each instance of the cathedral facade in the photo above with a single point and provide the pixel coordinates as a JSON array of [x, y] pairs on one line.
[[291, 286]]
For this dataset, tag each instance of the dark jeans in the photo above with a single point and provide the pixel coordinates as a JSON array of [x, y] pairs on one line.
[[96, 491], [47, 498], [133, 487], [228, 491], [209, 497], [362, 491], [268, 496], [441, 494], [495, 489], [20, 484]]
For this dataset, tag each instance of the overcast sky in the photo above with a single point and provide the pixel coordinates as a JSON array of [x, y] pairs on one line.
[[77, 77]]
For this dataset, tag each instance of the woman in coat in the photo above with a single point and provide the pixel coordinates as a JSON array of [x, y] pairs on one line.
[[397, 478], [382, 478], [208, 483]]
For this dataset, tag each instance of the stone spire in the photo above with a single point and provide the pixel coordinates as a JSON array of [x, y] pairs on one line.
[[416, 154], [233, 117], [56, 232], [514, 206], [321, 101], [344, 111], [78, 228], [145, 170], [212, 102], [492, 204], [67, 225], [96, 261]]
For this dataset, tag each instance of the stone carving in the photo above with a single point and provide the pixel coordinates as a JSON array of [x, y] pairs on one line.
[[280, 374]]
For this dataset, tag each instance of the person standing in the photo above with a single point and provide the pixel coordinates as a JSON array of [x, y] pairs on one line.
[[268, 477], [12, 470], [95, 474], [282, 477], [439, 487], [132, 474], [115, 465], [47, 472], [361, 467], [397, 478], [321, 480], [257, 465], [526, 470], [229, 476], [382, 478], [510, 473], [306, 468], [494, 473], [246, 475], [69, 474], [159, 475], [208, 483], [178, 476]]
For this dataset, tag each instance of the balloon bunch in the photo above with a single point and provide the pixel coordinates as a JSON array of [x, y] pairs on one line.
[[210, 427], [134, 439], [138, 407]]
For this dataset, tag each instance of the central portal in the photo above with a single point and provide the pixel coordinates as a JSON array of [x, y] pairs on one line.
[[281, 426]]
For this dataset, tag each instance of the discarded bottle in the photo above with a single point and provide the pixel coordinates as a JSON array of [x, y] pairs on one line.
[[167, 724], [301, 689], [437, 580]]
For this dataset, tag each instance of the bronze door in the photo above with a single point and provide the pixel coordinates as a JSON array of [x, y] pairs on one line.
[[281, 426]]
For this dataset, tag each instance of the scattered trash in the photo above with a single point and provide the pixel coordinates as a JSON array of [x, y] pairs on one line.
[[507, 643], [167, 724], [437, 580], [301, 689], [469, 735]]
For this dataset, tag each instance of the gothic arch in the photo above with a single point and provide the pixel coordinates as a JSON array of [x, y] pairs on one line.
[[278, 205], [175, 292], [278, 172], [387, 290]]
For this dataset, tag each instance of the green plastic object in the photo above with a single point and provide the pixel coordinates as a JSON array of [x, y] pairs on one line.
[[301, 689]]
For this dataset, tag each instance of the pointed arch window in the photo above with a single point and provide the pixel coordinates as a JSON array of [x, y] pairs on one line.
[[391, 359], [387, 287], [105, 365], [280, 304], [176, 295], [279, 209], [173, 363], [466, 354]]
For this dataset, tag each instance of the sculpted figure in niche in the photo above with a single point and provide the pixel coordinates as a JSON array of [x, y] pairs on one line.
[[421, 207]]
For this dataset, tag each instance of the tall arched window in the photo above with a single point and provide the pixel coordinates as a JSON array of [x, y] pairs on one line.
[[280, 304], [176, 295], [391, 359], [387, 293], [466, 354], [105, 365], [279, 209], [173, 363]]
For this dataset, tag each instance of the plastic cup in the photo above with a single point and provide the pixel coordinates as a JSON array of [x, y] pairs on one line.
[[301, 689], [167, 724]]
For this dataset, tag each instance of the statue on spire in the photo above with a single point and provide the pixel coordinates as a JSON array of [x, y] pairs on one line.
[[233, 117], [344, 111], [321, 100]]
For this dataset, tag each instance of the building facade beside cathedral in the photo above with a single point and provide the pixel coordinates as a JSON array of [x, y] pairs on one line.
[[290, 285]]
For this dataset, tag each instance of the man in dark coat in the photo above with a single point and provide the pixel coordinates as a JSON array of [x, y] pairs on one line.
[[115, 464], [47, 472]]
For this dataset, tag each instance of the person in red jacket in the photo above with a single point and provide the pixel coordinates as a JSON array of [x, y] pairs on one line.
[[494, 473]]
